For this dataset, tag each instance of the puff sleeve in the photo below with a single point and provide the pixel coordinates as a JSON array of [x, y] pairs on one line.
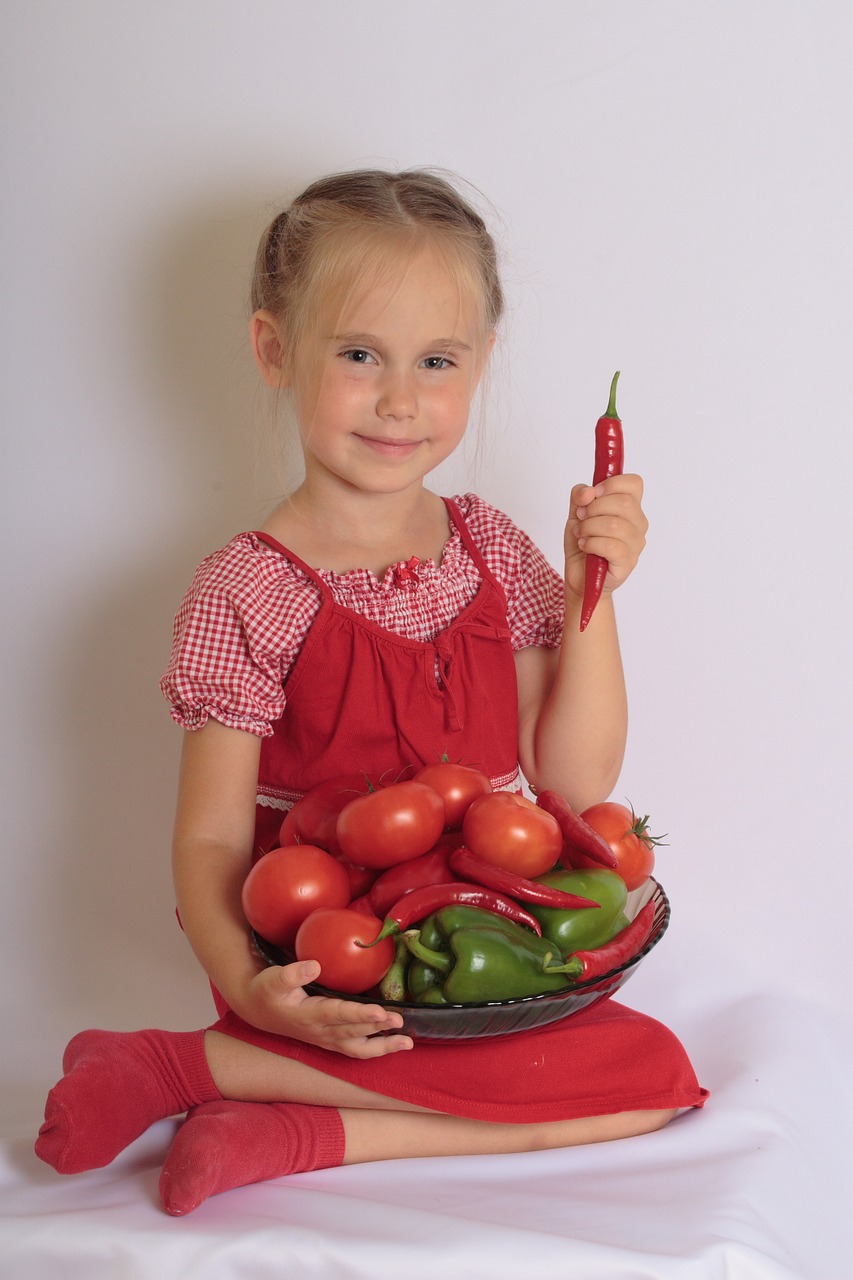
[[535, 592], [235, 637]]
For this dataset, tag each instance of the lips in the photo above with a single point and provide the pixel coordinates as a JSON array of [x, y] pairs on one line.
[[389, 446]]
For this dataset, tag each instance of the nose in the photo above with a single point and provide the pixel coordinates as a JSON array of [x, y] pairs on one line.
[[397, 396]]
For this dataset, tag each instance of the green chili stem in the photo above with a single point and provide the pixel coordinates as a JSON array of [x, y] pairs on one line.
[[611, 403]]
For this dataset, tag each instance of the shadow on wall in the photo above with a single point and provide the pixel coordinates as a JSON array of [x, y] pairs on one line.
[[115, 955]]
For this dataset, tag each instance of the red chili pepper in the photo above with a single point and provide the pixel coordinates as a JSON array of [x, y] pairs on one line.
[[420, 903], [429, 868], [577, 833], [609, 457], [465, 863], [601, 960]]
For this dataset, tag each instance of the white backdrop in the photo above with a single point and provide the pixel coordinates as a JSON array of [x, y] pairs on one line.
[[671, 185]]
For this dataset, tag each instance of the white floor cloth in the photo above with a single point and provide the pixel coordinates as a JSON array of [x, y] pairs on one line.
[[755, 1187]]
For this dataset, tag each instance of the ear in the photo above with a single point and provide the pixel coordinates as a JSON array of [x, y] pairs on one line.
[[268, 348]]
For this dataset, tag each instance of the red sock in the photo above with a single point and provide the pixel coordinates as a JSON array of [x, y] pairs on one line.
[[116, 1085], [223, 1145]]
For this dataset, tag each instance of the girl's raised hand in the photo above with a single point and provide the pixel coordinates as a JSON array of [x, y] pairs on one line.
[[606, 519], [276, 1001]]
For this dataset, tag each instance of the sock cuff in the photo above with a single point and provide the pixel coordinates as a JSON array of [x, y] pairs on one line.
[[331, 1137], [190, 1054]]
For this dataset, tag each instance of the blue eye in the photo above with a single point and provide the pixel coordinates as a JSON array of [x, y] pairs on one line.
[[437, 362], [357, 355]]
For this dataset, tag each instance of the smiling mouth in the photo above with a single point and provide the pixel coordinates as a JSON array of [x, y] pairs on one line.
[[391, 448]]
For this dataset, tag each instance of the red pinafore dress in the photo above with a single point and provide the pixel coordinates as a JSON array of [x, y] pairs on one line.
[[361, 697]]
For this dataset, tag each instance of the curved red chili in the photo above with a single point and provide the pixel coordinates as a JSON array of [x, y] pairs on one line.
[[465, 863], [420, 903], [601, 960], [609, 459], [577, 833], [391, 885]]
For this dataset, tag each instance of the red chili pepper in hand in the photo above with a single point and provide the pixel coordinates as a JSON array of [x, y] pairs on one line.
[[609, 457], [420, 903], [465, 863], [601, 960], [577, 833]]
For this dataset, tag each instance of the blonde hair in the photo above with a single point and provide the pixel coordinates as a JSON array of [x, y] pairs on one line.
[[347, 226]]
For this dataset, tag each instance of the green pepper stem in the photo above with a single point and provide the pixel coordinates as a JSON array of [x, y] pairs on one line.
[[438, 960], [611, 403], [572, 968]]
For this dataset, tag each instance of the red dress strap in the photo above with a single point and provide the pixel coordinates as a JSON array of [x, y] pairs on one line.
[[293, 558]]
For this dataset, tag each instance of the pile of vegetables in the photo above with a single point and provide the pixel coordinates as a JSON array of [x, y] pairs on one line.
[[438, 890]]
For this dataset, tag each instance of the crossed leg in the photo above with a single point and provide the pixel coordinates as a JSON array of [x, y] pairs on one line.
[[254, 1115], [328, 1121]]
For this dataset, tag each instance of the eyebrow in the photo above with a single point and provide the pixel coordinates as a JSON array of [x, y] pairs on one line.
[[372, 340]]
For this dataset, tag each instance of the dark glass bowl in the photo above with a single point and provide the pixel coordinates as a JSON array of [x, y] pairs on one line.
[[503, 1017]]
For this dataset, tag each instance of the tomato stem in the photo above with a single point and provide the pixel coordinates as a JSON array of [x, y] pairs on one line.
[[640, 828]]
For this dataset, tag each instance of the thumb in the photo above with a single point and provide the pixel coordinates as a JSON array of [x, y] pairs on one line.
[[310, 971], [296, 975]]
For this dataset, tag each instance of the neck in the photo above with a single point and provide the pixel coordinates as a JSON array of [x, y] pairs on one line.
[[358, 530]]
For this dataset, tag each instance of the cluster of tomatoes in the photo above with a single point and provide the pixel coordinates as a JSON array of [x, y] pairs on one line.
[[344, 845]]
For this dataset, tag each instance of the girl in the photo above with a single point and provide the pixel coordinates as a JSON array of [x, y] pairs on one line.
[[371, 624]]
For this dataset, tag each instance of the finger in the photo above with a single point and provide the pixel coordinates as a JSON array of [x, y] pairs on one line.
[[610, 549], [584, 494], [289, 979], [348, 1014], [627, 483], [621, 558], [581, 496], [375, 1046], [613, 515]]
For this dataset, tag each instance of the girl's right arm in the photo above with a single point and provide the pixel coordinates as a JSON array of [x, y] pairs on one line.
[[214, 831]]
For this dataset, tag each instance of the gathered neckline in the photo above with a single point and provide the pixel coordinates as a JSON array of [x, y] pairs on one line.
[[402, 575]]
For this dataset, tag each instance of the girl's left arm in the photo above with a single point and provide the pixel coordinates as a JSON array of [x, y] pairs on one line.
[[573, 714]]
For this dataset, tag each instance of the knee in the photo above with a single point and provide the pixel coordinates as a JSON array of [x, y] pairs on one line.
[[637, 1122], [589, 1129]]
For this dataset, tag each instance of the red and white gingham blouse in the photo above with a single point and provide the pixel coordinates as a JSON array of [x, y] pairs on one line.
[[243, 621]]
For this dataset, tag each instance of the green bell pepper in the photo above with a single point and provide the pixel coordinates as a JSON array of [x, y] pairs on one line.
[[581, 929], [487, 962], [422, 978], [437, 928]]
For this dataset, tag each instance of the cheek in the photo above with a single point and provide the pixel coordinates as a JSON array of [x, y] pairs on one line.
[[326, 400], [453, 405]]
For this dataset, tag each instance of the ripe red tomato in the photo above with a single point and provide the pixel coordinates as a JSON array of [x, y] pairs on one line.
[[314, 816], [286, 885], [628, 837], [510, 831], [458, 785], [332, 937], [390, 825]]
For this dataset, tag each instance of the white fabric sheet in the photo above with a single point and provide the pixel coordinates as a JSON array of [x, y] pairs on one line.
[[755, 1187]]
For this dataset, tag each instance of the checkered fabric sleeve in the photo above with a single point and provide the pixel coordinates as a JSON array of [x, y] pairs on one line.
[[535, 592], [235, 637]]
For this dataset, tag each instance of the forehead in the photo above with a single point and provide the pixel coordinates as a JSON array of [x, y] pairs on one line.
[[391, 282]]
